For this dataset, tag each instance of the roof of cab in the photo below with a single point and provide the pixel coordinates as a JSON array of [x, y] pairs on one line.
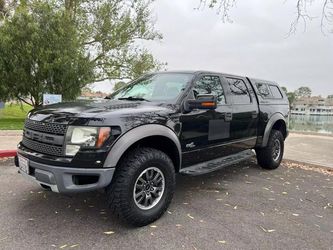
[[255, 80], [196, 72]]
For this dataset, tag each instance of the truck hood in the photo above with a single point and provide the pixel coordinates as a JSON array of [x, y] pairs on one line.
[[98, 113]]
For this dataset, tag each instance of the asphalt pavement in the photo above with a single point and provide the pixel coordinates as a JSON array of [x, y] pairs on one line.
[[239, 207]]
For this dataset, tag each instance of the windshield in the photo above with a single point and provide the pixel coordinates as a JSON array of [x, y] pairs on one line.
[[155, 87]]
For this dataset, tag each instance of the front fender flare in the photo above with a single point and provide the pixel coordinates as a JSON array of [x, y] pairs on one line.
[[136, 134], [274, 118]]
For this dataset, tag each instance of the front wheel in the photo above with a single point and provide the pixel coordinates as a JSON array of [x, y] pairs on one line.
[[142, 187], [271, 156]]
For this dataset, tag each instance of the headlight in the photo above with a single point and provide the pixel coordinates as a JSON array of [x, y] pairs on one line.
[[84, 136]]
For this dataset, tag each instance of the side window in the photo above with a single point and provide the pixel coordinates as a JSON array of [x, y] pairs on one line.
[[263, 90], [239, 92], [209, 85], [275, 92]]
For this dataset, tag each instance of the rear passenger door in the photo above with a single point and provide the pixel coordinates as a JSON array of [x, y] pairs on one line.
[[245, 112]]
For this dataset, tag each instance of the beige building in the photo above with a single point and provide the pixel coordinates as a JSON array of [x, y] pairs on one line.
[[315, 105]]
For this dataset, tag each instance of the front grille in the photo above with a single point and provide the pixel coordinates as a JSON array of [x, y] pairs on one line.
[[42, 147], [52, 128], [37, 141]]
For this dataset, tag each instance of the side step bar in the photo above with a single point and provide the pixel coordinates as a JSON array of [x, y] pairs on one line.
[[212, 165]]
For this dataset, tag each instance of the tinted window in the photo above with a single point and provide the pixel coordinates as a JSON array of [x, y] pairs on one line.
[[275, 91], [263, 90], [209, 85], [240, 93], [155, 87]]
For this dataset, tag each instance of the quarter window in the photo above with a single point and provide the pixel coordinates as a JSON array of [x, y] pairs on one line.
[[239, 92], [275, 92], [263, 90], [210, 85]]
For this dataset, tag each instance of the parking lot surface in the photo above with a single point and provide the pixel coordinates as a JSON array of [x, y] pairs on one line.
[[239, 207]]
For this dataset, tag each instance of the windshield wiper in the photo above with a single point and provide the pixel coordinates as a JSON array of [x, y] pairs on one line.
[[133, 98]]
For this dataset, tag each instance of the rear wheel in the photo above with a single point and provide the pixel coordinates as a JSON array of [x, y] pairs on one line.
[[142, 187], [270, 157]]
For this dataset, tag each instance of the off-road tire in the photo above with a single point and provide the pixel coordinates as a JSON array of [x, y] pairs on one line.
[[265, 156], [120, 191]]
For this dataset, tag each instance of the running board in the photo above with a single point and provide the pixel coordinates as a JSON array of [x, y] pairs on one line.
[[212, 165]]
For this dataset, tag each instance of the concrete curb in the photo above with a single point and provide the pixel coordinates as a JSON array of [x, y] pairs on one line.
[[11, 132], [309, 133], [7, 153]]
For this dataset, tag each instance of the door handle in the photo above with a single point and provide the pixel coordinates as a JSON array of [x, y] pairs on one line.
[[228, 116], [254, 114]]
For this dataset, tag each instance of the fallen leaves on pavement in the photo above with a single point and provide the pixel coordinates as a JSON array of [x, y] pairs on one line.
[[318, 169], [188, 215], [109, 232], [267, 230]]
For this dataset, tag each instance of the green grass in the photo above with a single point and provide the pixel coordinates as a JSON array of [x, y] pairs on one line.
[[12, 116]]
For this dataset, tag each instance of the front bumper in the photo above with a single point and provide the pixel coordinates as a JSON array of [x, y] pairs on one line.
[[64, 180]]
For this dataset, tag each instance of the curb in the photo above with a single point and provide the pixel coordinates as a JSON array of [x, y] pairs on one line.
[[7, 153], [11, 132], [310, 133]]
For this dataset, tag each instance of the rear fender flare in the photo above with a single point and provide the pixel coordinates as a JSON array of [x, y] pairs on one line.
[[269, 126]]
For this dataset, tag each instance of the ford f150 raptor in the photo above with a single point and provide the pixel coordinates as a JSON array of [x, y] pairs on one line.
[[133, 143]]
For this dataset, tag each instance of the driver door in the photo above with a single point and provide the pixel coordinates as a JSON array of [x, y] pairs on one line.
[[205, 131]]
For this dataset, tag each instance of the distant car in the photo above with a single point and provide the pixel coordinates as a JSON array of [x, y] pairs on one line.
[[156, 126]]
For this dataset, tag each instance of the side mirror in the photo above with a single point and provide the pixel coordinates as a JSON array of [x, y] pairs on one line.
[[202, 102]]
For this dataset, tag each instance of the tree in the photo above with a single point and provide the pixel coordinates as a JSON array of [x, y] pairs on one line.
[[290, 95], [303, 15], [111, 29], [41, 53], [284, 89], [118, 85], [86, 89], [303, 92], [59, 46]]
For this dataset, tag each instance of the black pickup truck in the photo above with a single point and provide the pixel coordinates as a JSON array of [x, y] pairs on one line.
[[133, 143]]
